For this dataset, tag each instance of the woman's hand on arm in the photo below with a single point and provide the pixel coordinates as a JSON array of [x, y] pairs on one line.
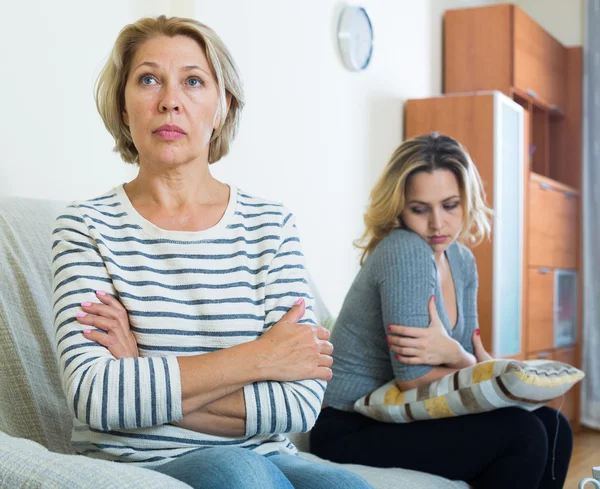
[[294, 351], [428, 346], [111, 318], [286, 352], [436, 373]]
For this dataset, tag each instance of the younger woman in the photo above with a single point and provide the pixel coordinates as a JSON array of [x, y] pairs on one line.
[[411, 314]]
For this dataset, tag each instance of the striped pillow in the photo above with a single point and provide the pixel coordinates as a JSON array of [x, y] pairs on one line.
[[483, 387]]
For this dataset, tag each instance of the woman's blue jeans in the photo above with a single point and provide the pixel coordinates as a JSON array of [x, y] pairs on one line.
[[240, 468]]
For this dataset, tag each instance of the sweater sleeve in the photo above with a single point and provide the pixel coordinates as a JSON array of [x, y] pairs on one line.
[[103, 392], [285, 407], [471, 315], [405, 274]]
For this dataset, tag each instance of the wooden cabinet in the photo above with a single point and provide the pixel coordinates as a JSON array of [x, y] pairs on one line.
[[505, 50], [552, 306], [541, 230], [566, 240], [541, 355], [478, 49], [553, 224], [540, 61], [540, 310]]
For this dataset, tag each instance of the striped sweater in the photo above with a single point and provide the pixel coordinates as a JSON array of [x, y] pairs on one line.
[[186, 293]]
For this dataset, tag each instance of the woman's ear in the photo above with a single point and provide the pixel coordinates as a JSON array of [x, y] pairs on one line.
[[125, 117]]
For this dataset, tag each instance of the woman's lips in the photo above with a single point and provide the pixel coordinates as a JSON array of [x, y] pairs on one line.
[[438, 239], [170, 132]]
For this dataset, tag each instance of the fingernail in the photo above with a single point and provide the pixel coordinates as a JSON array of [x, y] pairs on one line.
[[389, 328], [477, 332], [397, 357], [299, 301], [80, 315], [433, 297], [100, 292], [87, 331], [86, 304]]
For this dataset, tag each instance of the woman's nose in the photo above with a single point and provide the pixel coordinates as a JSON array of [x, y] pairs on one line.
[[436, 220], [170, 100]]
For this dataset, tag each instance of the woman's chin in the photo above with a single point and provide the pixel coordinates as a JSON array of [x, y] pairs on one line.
[[438, 247], [169, 158]]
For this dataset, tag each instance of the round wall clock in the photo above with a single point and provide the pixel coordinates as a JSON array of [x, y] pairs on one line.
[[355, 38]]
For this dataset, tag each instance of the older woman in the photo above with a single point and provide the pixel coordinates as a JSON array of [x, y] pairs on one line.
[[184, 323]]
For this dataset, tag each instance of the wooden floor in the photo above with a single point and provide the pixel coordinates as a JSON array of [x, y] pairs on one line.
[[586, 454]]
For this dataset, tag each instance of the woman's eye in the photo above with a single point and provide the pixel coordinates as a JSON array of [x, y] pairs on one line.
[[450, 207], [194, 82], [419, 210], [147, 80]]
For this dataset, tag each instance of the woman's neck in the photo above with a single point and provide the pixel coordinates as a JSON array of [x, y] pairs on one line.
[[175, 188], [441, 259]]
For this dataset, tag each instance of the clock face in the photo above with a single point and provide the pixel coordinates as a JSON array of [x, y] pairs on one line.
[[355, 37]]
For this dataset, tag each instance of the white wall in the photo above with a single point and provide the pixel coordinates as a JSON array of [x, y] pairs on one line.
[[561, 18], [313, 135], [53, 143]]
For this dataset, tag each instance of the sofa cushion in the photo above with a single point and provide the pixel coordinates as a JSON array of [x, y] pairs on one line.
[[28, 465], [483, 387], [394, 478], [32, 403]]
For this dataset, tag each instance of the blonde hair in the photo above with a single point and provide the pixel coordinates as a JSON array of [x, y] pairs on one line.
[[110, 86], [427, 152]]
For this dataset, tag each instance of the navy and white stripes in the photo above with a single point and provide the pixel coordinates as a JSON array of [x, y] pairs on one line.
[[187, 293]]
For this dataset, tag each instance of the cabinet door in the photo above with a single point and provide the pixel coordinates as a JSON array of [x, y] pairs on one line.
[[565, 307], [541, 355], [542, 203], [540, 310], [540, 61], [567, 403], [565, 237], [508, 226]]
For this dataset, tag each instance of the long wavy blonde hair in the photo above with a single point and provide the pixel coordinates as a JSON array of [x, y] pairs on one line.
[[427, 152]]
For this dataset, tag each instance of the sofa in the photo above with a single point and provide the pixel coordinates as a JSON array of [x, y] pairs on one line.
[[35, 422]]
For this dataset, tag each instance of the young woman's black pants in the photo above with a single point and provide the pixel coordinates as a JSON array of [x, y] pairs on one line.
[[506, 448]]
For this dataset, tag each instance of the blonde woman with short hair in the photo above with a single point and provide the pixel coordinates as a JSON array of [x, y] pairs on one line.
[[185, 329], [411, 315]]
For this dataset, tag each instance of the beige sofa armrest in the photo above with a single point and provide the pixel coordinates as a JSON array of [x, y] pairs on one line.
[[25, 464]]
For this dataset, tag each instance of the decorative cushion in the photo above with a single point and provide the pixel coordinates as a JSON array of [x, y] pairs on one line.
[[483, 387]]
